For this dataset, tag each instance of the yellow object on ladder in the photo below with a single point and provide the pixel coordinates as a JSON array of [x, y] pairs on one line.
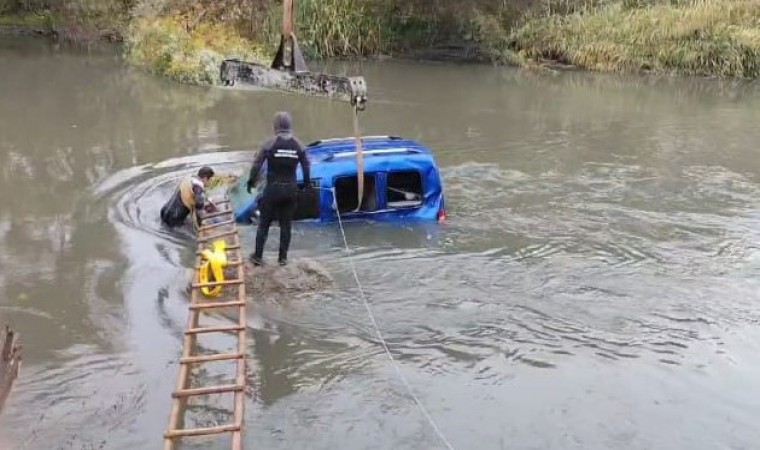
[[214, 264], [215, 237]]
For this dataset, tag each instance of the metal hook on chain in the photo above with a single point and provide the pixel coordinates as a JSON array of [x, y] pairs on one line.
[[359, 102]]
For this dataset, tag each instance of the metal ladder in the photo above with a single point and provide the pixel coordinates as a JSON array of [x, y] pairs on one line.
[[208, 233]]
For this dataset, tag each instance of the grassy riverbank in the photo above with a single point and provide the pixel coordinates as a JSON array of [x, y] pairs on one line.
[[708, 37], [187, 39], [166, 47]]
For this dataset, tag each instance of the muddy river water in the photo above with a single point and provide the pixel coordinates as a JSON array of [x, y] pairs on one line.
[[596, 284]]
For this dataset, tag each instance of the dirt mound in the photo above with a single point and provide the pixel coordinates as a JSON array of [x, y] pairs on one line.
[[300, 276]]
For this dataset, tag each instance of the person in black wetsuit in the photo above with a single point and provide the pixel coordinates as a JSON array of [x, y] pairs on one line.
[[282, 153], [190, 197]]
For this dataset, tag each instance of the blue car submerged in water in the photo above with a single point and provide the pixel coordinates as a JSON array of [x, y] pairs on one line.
[[401, 182]]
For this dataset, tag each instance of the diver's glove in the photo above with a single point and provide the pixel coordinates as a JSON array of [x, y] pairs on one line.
[[249, 186]]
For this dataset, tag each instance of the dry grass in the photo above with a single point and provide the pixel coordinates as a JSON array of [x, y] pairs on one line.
[[701, 37]]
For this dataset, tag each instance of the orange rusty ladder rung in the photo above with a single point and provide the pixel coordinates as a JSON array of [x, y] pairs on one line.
[[216, 305], [229, 248], [223, 202], [203, 431], [221, 389], [218, 236], [193, 329], [208, 358], [220, 329], [216, 214], [216, 225], [218, 283]]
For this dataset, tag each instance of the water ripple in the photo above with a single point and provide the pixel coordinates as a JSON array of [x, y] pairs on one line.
[[88, 387], [137, 194]]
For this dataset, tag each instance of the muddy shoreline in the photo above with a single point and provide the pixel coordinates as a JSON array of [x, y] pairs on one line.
[[63, 33]]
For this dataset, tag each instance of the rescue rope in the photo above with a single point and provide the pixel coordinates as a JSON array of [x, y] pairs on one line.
[[395, 364]]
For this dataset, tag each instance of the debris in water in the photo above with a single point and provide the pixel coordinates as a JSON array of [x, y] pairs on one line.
[[10, 361]]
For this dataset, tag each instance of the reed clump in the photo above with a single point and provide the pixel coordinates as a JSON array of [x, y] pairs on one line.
[[700, 37], [330, 28]]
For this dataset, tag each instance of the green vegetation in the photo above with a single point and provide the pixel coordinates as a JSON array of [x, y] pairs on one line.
[[186, 39], [165, 46]]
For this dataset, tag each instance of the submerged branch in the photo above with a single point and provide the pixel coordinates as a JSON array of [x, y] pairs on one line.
[[10, 363]]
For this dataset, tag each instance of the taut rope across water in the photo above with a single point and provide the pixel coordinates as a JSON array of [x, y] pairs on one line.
[[380, 337], [358, 106]]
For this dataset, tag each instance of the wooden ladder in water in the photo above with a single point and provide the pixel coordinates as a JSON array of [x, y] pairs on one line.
[[209, 232]]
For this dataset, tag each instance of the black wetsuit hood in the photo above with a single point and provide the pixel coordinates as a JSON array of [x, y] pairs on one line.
[[283, 123]]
